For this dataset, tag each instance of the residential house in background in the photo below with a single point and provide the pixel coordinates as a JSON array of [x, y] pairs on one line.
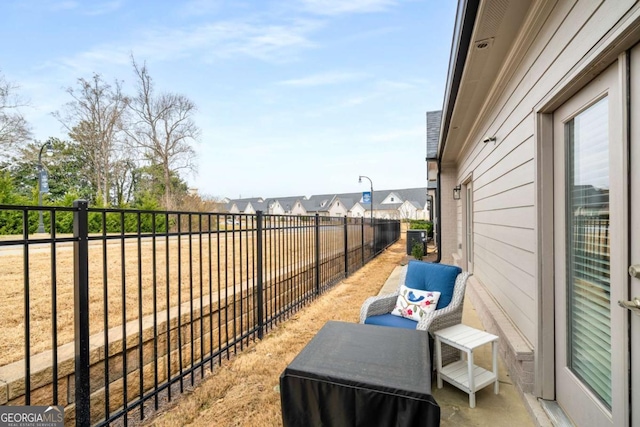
[[327, 205], [539, 192], [248, 206], [412, 203], [282, 205]]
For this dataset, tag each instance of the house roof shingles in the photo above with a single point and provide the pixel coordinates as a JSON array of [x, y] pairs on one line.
[[434, 118]]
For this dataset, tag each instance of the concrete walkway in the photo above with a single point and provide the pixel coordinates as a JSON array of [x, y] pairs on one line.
[[504, 409]]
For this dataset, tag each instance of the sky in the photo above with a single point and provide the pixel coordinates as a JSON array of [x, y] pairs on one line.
[[294, 97]]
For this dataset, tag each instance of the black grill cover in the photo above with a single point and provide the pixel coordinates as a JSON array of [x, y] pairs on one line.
[[360, 375]]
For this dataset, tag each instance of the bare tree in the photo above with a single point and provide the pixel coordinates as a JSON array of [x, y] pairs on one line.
[[124, 180], [94, 119], [162, 126], [13, 126]]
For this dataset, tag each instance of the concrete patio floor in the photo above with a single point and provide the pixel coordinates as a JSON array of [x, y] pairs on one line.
[[504, 409]]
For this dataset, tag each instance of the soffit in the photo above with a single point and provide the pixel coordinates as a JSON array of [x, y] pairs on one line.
[[496, 27]]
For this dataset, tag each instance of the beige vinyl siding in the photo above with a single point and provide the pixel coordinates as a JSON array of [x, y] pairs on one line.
[[520, 217], [512, 288], [511, 197], [336, 210], [504, 171]]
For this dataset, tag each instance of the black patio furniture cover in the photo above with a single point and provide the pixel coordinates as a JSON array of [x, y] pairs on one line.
[[360, 375]]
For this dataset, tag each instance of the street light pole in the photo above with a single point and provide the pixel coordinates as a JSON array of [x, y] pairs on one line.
[[49, 148], [372, 227]]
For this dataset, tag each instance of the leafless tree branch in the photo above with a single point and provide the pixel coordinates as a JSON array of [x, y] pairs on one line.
[[162, 126], [95, 118], [14, 129]]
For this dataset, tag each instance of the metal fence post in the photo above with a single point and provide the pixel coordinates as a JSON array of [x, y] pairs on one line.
[[362, 240], [374, 244], [317, 254], [81, 312], [346, 248], [260, 284]]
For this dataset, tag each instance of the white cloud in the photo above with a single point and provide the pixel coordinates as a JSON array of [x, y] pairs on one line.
[[323, 79], [63, 5], [270, 43], [339, 7], [200, 7], [103, 8], [93, 9]]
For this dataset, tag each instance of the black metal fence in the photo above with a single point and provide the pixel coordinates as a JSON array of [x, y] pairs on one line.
[[134, 305]]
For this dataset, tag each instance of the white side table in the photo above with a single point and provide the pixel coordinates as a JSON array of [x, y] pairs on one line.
[[463, 373]]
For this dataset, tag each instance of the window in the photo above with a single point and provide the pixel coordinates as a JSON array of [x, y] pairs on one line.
[[588, 269]]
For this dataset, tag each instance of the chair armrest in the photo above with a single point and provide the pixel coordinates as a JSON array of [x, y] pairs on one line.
[[381, 304], [449, 315]]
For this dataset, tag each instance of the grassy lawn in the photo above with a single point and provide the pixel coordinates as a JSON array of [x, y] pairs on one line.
[[129, 271], [244, 391]]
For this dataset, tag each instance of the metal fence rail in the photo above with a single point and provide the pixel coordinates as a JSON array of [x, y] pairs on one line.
[[123, 308]]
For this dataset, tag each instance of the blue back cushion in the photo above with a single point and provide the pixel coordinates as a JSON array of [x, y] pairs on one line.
[[428, 276]]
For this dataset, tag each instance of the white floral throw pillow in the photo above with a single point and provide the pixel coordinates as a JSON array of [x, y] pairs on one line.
[[414, 303]]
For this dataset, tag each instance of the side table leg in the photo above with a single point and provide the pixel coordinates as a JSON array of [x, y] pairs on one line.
[[494, 348], [439, 361], [472, 382]]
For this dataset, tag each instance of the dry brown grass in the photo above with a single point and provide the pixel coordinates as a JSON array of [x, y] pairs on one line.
[[122, 268], [244, 391]]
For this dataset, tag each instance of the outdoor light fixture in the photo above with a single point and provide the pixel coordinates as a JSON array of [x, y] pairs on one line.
[[489, 139], [456, 192], [42, 175]]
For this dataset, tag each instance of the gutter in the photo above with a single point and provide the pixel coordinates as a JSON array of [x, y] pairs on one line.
[[463, 30]]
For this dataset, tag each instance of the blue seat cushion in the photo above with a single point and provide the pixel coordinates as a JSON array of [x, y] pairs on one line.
[[391, 320], [428, 276]]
